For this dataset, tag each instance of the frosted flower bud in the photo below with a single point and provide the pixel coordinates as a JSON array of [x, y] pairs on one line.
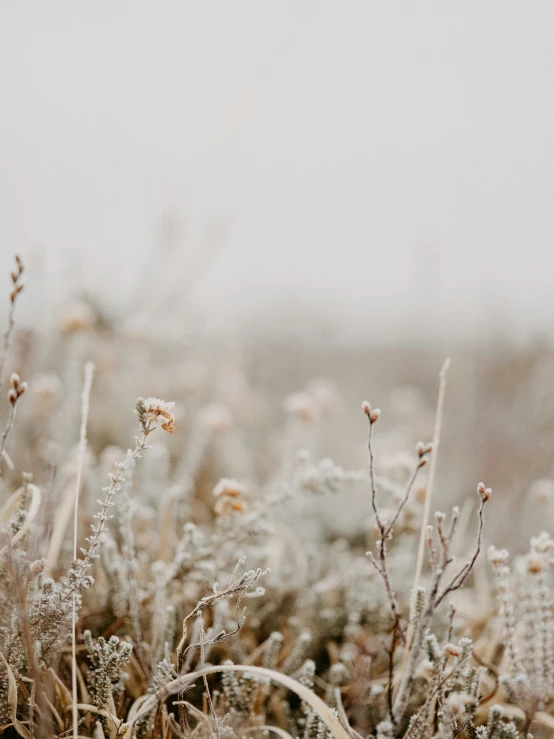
[[366, 408], [452, 650], [156, 412], [228, 487], [534, 564], [484, 492], [374, 415], [497, 556], [422, 449], [225, 506]]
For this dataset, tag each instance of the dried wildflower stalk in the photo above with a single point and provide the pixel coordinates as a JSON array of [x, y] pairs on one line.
[[150, 415], [437, 594], [439, 565], [385, 527]]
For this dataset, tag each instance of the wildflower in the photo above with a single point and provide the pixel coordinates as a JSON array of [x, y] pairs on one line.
[[229, 494], [535, 564], [497, 556], [153, 412], [230, 488]]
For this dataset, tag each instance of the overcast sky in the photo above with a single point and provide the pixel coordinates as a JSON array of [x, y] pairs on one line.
[[385, 165]]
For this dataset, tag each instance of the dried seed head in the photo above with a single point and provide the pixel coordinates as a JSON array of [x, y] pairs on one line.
[[374, 415], [17, 388], [366, 408], [484, 493]]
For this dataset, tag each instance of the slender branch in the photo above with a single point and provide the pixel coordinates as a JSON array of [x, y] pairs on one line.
[[17, 389], [385, 528], [410, 485], [434, 600], [459, 579], [7, 336]]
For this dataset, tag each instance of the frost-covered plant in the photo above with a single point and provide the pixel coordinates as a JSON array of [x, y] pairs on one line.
[[106, 676], [243, 493], [529, 680]]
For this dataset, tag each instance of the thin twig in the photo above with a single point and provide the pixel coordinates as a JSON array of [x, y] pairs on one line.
[[17, 389], [7, 337]]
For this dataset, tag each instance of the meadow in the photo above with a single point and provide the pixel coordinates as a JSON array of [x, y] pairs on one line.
[[230, 540]]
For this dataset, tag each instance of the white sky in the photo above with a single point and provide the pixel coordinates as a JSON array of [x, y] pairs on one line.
[[384, 165]]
